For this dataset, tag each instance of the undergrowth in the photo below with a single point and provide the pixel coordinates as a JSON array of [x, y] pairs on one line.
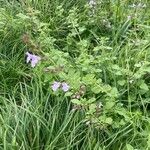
[[74, 75]]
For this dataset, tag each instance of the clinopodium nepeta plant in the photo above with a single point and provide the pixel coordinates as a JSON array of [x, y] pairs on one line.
[[86, 72], [93, 57]]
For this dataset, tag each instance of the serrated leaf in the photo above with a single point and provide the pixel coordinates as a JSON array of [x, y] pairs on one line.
[[89, 79], [92, 108], [96, 89], [109, 120], [113, 92], [109, 105]]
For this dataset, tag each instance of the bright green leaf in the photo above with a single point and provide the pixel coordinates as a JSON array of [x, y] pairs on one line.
[[109, 120], [129, 147], [109, 105], [76, 101]]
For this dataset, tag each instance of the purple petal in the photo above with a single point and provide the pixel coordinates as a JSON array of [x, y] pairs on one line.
[[55, 86], [33, 58], [33, 63], [65, 87]]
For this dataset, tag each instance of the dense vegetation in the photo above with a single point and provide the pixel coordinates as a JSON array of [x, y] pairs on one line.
[[74, 75]]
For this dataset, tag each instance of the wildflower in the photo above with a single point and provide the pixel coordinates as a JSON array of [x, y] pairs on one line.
[[55, 86], [33, 59], [65, 86]]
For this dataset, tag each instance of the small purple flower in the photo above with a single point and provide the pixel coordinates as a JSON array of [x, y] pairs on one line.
[[65, 87], [34, 59], [55, 86]]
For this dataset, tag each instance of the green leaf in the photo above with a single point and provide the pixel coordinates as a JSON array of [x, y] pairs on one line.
[[96, 89], [68, 94], [147, 69], [89, 79], [47, 77], [123, 112], [76, 101], [82, 29], [22, 16], [109, 105], [92, 108], [115, 67], [113, 92], [107, 47], [98, 70], [121, 82], [91, 100], [109, 120], [129, 147], [97, 48], [144, 86]]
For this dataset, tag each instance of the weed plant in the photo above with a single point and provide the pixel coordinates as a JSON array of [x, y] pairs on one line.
[[74, 75]]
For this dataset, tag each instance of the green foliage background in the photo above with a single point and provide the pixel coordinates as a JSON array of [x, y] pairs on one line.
[[102, 52]]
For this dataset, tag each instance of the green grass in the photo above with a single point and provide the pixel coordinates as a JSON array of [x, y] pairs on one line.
[[65, 32]]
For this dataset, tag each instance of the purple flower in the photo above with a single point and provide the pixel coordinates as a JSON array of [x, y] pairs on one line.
[[55, 86], [65, 87], [33, 59]]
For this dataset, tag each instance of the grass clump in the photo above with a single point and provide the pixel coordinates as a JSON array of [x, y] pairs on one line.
[[74, 75]]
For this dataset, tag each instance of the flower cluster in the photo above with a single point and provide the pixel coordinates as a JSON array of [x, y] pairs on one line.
[[34, 59], [64, 86]]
